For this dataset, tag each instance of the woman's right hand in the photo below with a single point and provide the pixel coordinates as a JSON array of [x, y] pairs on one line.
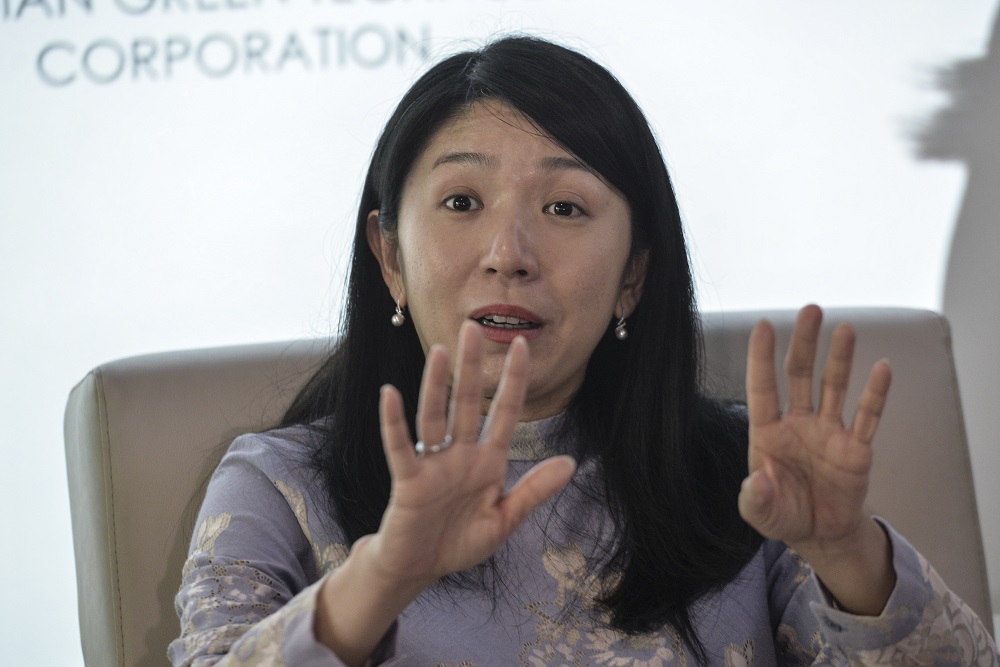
[[447, 511]]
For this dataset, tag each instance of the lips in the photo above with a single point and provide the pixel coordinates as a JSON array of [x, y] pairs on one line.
[[503, 322], [505, 315]]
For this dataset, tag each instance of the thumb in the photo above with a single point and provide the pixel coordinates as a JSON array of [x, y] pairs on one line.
[[535, 487], [756, 499]]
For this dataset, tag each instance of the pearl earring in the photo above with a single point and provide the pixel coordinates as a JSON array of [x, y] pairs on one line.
[[398, 317], [621, 333]]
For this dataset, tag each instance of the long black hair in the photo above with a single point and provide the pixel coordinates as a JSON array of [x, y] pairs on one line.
[[671, 460]]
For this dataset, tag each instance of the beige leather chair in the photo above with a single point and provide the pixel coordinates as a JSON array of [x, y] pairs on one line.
[[143, 435]]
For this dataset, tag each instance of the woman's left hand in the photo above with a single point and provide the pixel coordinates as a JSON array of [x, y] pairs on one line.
[[808, 470]]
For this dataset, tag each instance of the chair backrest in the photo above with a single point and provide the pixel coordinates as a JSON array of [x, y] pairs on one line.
[[143, 435]]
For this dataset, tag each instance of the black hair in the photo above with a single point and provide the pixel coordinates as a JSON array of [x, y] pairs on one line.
[[671, 460]]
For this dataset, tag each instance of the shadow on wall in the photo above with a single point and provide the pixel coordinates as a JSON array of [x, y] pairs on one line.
[[968, 130]]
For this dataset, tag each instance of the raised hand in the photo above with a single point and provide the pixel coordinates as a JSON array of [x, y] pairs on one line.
[[808, 470], [448, 510]]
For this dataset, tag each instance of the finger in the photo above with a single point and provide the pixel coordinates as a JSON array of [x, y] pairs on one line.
[[762, 387], [836, 373], [535, 487], [396, 440], [801, 357], [467, 388], [872, 402], [755, 501], [433, 401], [505, 409]]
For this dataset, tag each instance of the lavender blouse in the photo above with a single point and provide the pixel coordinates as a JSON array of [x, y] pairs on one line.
[[264, 540]]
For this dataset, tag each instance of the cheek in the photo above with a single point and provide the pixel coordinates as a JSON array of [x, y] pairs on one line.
[[428, 278], [430, 294], [599, 281]]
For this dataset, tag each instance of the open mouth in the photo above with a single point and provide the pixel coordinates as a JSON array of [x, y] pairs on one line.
[[505, 322]]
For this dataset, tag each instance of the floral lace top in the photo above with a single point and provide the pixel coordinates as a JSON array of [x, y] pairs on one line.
[[263, 541]]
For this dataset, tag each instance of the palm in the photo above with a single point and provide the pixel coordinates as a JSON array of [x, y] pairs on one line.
[[447, 517], [809, 473], [819, 473]]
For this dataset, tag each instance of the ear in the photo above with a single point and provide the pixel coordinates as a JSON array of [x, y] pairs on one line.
[[387, 255], [635, 277]]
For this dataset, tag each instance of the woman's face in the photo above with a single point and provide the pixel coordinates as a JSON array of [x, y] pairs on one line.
[[500, 225]]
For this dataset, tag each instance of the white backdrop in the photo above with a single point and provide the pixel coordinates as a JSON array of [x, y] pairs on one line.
[[181, 173]]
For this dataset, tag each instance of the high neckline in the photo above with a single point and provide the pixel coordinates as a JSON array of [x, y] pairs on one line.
[[537, 440]]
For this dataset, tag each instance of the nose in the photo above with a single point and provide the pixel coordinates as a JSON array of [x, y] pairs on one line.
[[511, 251]]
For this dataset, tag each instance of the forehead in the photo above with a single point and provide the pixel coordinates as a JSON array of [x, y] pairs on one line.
[[490, 132], [485, 128]]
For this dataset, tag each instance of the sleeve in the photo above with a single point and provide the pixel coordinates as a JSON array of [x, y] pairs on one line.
[[249, 586], [923, 622]]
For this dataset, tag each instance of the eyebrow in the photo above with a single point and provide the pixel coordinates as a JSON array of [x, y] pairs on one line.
[[554, 163], [469, 158], [559, 162]]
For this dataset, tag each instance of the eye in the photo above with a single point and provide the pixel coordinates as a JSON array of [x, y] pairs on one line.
[[563, 208], [462, 203]]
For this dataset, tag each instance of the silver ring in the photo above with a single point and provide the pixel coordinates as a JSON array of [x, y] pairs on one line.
[[433, 449]]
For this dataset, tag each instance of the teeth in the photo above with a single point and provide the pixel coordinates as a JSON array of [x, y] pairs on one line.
[[503, 321]]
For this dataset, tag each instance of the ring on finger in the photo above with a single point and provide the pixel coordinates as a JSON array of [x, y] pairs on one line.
[[433, 449]]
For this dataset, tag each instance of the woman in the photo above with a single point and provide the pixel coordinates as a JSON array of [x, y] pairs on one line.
[[518, 219]]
